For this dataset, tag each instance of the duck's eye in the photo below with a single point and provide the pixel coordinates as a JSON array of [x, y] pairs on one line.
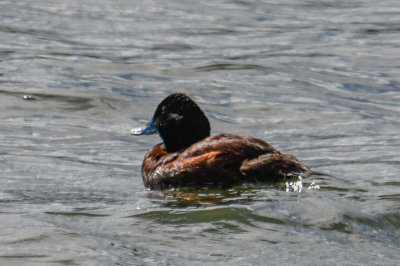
[[175, 116]]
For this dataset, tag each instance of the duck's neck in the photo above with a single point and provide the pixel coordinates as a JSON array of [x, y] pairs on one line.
[[178, 142]]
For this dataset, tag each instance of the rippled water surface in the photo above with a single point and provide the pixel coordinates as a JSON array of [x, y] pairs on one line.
[[317, 79]]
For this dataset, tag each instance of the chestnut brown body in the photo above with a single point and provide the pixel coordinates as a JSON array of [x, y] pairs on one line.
[[222, 159]]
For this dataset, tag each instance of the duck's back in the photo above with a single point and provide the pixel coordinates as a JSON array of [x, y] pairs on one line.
[[223, 159]]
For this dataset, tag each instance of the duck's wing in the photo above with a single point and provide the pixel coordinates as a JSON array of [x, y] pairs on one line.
[[229, 144]]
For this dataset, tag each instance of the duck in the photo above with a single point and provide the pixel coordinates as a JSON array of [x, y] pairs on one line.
[[189, 156]]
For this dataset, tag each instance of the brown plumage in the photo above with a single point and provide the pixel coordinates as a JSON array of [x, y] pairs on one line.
[[223, 159]]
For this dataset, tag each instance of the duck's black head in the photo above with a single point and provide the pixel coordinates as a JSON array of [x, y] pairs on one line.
[[179, 121]]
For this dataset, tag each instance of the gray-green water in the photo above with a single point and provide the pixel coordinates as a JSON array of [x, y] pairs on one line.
[[317, 79]]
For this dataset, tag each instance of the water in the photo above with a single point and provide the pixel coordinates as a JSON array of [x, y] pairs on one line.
[[317, 79]]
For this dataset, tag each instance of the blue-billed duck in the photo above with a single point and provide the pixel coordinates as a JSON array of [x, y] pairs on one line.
[[189, 156]]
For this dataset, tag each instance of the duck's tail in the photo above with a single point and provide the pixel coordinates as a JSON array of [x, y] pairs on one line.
[[273, 166]]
